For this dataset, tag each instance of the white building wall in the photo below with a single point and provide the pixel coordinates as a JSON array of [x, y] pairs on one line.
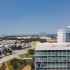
[[61, 36]]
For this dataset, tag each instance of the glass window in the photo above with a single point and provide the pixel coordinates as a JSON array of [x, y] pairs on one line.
[[68, 37], [54, 60], [41, 53]]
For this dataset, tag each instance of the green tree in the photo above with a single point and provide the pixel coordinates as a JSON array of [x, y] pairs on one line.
[[31, 51]]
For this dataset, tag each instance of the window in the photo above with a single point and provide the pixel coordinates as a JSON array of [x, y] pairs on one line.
[[53, 60], [67, 37]]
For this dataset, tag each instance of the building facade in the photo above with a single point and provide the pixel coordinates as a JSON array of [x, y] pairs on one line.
[[55, 58], [60, 36], [63, 35], [68, 34]]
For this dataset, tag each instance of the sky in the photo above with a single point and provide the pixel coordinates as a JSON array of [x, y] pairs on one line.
[[33, 16]]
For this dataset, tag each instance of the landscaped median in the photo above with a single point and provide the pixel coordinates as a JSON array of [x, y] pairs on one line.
[[21, 62]]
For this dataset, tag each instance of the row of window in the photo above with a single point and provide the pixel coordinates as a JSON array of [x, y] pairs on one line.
[[53, 53], [56, 65], [53, 69], [51, 59]]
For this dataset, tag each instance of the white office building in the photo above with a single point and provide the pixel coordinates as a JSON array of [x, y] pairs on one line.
[[52, 57], [63, 35]]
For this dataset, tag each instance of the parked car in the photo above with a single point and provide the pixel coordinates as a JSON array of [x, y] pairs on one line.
[[7, 50]]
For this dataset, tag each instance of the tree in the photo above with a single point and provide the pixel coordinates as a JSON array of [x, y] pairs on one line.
[[31, 51]]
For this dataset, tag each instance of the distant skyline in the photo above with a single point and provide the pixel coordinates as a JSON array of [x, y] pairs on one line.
[[33, 16]]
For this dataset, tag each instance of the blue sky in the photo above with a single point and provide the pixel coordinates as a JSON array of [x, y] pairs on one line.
[[31, 16]]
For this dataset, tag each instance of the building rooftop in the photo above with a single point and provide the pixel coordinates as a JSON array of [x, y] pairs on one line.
[[53, 46]]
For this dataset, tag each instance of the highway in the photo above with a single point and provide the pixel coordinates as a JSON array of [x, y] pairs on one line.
[[15, 54]]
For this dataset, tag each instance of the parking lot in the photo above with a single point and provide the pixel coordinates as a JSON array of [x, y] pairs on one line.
[[9, 49]]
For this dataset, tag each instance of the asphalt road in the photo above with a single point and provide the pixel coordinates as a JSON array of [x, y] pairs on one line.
[[14, 55]]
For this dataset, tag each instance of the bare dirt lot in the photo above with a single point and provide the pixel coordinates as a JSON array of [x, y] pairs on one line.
[[27, 67]]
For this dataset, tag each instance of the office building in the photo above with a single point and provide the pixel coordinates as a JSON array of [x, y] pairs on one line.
[[68, 34], [63, 35], [52, 57]]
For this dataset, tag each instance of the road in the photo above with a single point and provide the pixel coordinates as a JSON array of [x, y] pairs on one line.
[[14, 55]]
